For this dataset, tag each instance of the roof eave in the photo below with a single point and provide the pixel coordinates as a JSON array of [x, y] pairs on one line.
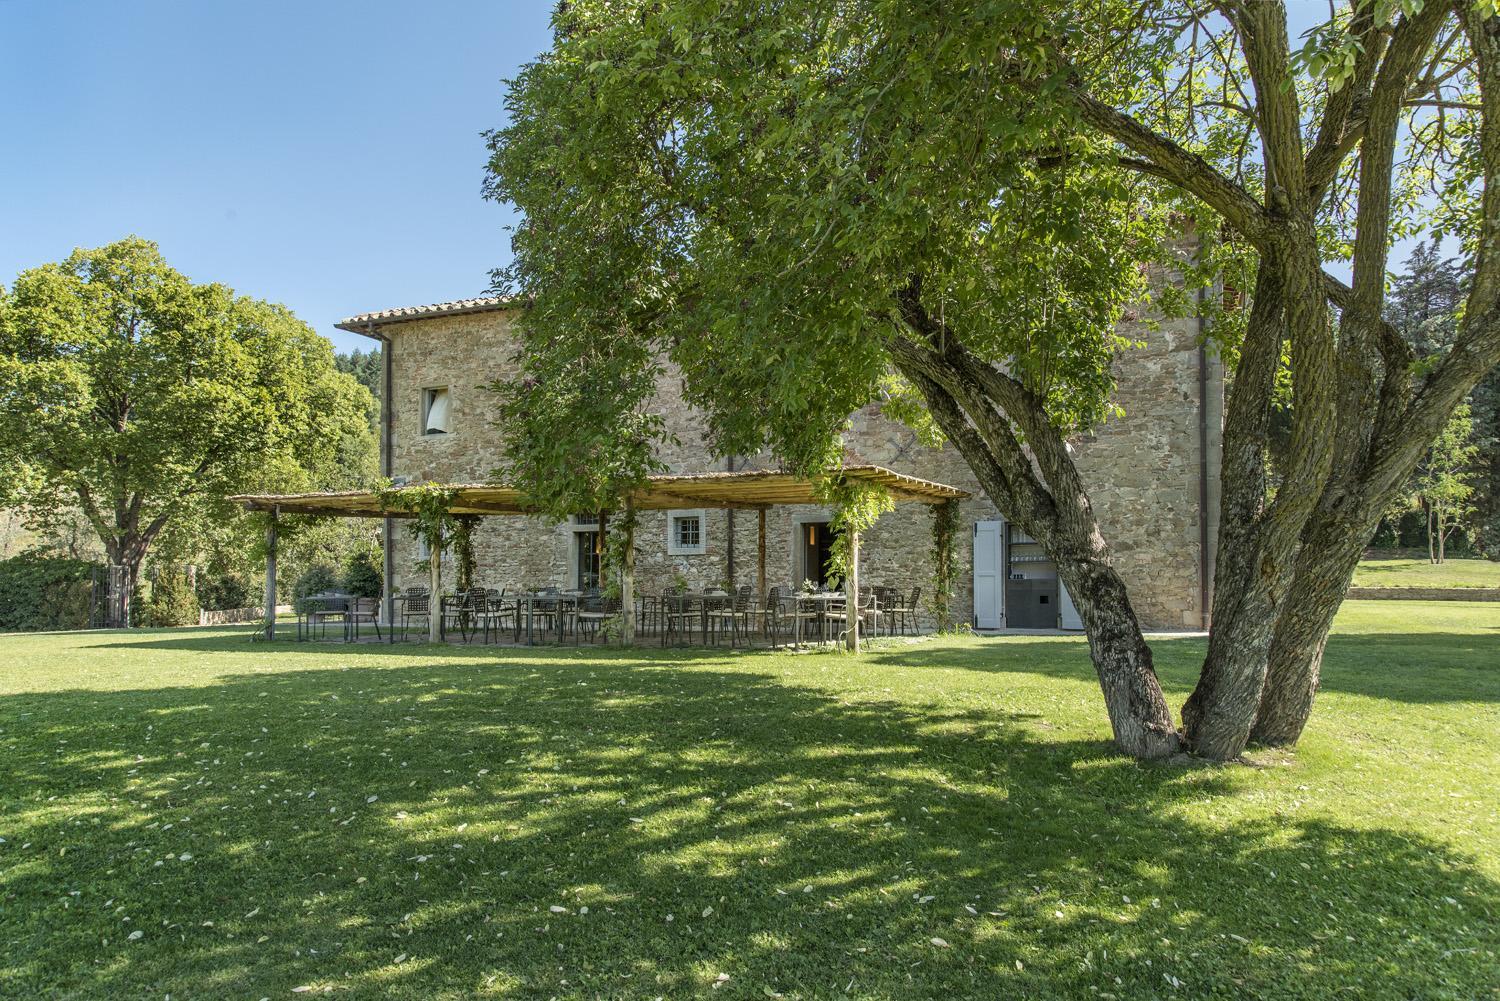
[[366, 324]]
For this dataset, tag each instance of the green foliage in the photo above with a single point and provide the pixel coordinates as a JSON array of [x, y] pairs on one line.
[[41, 591], [432, 522], [748, 195], [365, 367], [945, 525], [318, 578], [224, 590], [172, 601], [857, 505], [363, 574], [141, 399], [619, 537], [1443, 479], [463, 549]]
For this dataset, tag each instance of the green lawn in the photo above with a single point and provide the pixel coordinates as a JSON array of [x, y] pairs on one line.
[[187, 814], [1422, 573]]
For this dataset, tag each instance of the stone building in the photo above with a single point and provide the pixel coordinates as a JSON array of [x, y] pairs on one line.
[[1152, 475]]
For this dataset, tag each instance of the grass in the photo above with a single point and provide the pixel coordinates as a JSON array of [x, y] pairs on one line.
[[1423, 573], [188, 814]]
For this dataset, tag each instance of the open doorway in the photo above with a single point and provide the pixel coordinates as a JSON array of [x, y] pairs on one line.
[[589, 548], [816, 543]]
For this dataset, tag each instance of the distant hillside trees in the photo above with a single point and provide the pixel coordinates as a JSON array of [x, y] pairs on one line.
[[1455, 490], [366, 369]]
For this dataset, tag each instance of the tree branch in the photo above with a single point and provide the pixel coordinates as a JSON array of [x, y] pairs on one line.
[[1188, 171]]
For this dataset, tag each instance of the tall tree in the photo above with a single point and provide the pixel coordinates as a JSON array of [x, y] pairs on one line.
[[1386, 121], [1442, 481], [137, 396], [804, 209], [367, 369]]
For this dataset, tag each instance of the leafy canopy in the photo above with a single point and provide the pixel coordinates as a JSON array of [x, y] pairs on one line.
[[140, 396], [740, 195]]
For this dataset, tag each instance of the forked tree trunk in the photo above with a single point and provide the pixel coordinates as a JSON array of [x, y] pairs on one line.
[[976, 407], [1326, 565], [1138, 712]]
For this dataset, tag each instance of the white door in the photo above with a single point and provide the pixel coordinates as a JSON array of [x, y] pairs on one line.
[[989, 580], [1067, 612]]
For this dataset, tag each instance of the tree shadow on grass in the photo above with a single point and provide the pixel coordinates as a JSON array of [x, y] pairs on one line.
[[437, 830]]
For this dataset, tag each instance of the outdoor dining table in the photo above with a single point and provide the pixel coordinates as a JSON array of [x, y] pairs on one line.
[[684, 603], [325, 605], [821, 602], [554, 603]]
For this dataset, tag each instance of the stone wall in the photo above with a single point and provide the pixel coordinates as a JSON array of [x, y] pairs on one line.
[[1142, 468]]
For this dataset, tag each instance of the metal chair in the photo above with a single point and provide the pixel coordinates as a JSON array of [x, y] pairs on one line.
[[870, 611], [912, 607], [679, 614], [362, 610], [497, 611], [770, 615], [465, 612], [593, 612], [319, 609], [737, 613], [415, 604]]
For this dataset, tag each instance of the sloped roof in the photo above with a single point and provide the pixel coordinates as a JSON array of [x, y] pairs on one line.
[[744, 489], [362, 323]]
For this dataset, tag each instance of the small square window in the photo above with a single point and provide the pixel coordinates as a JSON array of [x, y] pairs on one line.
[[437, 411], [685, 533]]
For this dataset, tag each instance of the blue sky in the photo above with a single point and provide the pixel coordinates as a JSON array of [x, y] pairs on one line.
[[324, 154], [321, 154]]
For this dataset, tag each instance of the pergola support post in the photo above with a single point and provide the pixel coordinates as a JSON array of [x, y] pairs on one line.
[[435, 591], [851, 593], [627, 577], [271, 577], [760, 556], [388, 574]]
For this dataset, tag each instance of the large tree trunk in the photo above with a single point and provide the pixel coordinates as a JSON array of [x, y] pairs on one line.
[[1325, 566], [128, 554], [1138, 712], [978, 408], [1257, 548], [1359, 423]]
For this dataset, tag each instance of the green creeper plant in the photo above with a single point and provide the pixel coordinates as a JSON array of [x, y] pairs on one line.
[[945, 525], [429, 506], [857, 506], [463, 549]]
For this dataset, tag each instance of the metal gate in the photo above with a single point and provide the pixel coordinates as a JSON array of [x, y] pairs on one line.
[[109, 599]]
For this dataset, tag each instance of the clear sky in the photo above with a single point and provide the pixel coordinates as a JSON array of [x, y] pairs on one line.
[[321, 154], [324, 154]]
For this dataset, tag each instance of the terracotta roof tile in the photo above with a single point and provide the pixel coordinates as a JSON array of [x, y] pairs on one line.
[[362, 323]]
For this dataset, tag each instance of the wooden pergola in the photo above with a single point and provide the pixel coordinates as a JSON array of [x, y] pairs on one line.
[[756, 490]]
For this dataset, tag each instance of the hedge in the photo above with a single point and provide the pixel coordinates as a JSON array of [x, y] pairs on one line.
[[43, 591]]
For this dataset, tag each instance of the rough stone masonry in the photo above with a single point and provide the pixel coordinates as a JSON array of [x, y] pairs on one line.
[[1148, 471]]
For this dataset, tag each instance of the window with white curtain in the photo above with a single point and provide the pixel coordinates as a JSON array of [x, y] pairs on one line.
[[436, 411]]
